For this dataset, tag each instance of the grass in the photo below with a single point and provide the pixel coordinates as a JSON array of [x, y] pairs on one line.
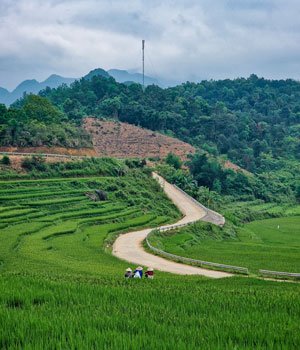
[[170, 312], [55, 234], [60, 288], [271, 244]]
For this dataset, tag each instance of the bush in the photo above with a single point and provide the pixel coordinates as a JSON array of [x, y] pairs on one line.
[[34, 163], [135, 163], [5, 160], [174, 161]]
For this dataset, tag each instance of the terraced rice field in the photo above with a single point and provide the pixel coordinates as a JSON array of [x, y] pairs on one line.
[[60, 288], [53, 223]]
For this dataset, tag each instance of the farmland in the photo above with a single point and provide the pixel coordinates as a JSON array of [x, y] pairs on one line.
[[60, 287], [272, 244], [53, 224]]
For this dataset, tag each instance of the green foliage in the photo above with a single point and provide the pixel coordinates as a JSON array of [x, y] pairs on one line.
[[36, 167], [41, 109], [253, 122], [174, 161], [5, 160], [135, 163], [243, 118], [35, 122], [58, 277], [271, 244], [34, 163]]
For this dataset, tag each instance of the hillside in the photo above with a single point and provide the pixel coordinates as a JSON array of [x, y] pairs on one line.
[[252, 122], [122, 140]]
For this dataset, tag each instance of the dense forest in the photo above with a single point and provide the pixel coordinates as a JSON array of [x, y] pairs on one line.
[[35, 122], [253, 122]]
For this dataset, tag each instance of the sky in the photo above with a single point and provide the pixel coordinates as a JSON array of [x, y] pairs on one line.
[[185, 39]]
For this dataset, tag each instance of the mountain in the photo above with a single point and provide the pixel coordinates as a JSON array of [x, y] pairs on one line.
[[96, 72], [122, 76], [56, 80], [33, 86], [3, 94]]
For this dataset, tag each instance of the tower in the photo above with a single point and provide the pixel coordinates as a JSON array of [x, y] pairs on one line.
[[143, 61]]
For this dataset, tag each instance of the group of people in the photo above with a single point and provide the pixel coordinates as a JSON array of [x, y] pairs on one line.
[[138, 273]]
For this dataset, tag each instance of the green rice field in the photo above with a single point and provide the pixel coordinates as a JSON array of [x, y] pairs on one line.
[[271, 244], [60, 287]]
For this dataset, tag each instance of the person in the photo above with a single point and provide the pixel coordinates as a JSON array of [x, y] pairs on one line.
[[149, 273], [138, 272], [128, 273]]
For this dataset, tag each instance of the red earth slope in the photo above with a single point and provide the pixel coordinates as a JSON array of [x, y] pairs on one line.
[[122, 140]]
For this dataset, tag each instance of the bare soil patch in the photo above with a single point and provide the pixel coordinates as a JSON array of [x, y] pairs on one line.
[[122, 140]]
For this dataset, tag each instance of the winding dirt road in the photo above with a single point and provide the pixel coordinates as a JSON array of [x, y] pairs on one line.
[[129, 246]]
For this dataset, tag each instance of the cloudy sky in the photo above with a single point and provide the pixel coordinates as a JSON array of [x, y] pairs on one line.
[[185, 39]]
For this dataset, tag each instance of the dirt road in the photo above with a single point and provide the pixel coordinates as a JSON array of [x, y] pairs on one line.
[[129, 246]]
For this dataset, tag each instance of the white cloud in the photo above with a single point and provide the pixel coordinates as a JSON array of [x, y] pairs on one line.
[[188, 39]]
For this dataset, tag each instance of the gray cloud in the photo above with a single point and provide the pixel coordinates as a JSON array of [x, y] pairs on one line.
[[185, 40]]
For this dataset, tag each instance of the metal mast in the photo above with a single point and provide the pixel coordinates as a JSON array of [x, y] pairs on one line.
[[143, 58]]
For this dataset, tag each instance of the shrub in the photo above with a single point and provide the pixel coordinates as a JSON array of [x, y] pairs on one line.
[[6, 160], [174, 161], [34, 163]]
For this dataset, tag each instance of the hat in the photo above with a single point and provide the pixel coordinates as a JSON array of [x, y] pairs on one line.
[[150, 269], [139, 268], [129, 269]]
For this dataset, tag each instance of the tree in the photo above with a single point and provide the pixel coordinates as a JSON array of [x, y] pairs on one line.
[[110, 107], [174, 161], [40, 108]]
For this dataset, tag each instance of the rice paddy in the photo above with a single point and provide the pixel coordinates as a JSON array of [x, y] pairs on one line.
[[60, 287], [270, 244]]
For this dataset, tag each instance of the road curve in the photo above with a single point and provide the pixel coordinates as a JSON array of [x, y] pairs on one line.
[[129, 247]]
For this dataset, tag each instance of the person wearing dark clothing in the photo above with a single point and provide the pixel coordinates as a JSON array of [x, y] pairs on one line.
[[149, 273]]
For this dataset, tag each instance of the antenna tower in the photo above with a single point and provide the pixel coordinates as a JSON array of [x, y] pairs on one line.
[[143, 59]]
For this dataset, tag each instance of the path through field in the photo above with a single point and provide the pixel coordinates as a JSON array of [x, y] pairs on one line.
[[129, 246]]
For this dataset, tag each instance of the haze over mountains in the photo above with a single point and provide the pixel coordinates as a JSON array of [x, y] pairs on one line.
[[54, 80]]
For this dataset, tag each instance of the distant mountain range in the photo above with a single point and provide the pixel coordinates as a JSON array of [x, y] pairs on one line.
[[33, 86]]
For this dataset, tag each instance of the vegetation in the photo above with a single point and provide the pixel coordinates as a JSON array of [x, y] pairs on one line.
[[50, 224], [105, 311], [37, 167], [35, 122], [174, 161], [57, 277], [5, 160], [253, 121], [212, 184], [271, 244]]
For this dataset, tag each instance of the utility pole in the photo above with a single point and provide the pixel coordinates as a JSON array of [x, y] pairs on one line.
[[143, 51]]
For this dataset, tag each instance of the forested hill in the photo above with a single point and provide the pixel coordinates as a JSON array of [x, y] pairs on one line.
[[252, 121]]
